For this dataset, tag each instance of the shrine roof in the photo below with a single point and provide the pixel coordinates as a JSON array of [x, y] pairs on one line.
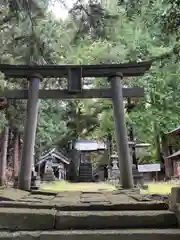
[[174, 156], [89, 145], [142, 145], [174, 132], [54, 153]]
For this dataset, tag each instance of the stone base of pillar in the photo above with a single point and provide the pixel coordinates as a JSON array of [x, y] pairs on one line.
[[35, 182], [174, 199], [15, 182], [174, 202]]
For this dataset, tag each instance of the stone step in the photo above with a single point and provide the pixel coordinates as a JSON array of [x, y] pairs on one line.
[[115, 219], [44, 219], [123, 206], [128, 234]]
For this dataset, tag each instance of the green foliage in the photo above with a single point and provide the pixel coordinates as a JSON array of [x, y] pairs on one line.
[[111, 32]]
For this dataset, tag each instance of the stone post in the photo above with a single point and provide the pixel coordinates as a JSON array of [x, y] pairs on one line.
[[109, 172], [125, 164], [27, 159]]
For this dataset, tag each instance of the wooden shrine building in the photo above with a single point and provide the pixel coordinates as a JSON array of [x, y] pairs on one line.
[[171, 151], [83, 158], [57, 160]]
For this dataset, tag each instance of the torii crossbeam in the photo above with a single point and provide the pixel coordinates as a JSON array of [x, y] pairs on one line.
[[75, 74]]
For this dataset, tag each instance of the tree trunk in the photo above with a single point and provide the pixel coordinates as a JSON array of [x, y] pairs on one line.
[[16, 154], [157, 142], [3, 162], [131, 137], [109, 147], [167, 162]]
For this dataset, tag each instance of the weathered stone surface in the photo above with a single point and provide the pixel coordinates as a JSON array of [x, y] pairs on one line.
[[20, 235], [31, 200], [44, 193], [146, 206], [13, 194], [177, 212], [26, 219], [65, 206], [69, 194], [26, 204], [174, 198], [64, 201], [42, 197], [126, 191], [96, 197], [128, 234], [115, 198], [66, 198], [114, 219]]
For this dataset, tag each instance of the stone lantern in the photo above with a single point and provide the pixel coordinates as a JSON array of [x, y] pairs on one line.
[[115, 172]]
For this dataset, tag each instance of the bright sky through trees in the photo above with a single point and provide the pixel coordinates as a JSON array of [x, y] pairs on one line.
[[61, 9]]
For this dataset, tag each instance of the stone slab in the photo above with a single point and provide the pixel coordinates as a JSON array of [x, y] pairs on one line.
[[114, 219], [41, 197], [128, 234], [26, 219], [64, 198], [31, 200], [140, 198], [119, 198], [26, 204], [85, 206], [13, 194], [94, 198], [39, 192], [69, 194], [20, 235], [126, 191]]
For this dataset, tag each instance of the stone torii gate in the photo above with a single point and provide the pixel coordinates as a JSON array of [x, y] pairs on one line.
[[74, 74]]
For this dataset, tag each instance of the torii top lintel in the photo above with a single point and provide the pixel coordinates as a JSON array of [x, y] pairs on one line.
[[102, 70]]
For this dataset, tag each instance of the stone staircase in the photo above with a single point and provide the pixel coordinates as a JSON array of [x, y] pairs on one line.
[[85, 172], [49, 175], [42, 224]]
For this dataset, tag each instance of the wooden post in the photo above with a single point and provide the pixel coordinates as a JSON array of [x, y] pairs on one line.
[[3, 162], [125, 163], [29, 133]]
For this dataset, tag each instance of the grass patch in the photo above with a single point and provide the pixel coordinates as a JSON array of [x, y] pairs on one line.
[[61, 186], [160, 189]]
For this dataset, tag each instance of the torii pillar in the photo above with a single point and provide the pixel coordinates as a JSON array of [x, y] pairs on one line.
[[125, 163], [27, 158]]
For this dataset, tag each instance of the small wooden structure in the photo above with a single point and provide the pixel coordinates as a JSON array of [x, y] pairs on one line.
[[170, 144], [57, 161], [83, 158]]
